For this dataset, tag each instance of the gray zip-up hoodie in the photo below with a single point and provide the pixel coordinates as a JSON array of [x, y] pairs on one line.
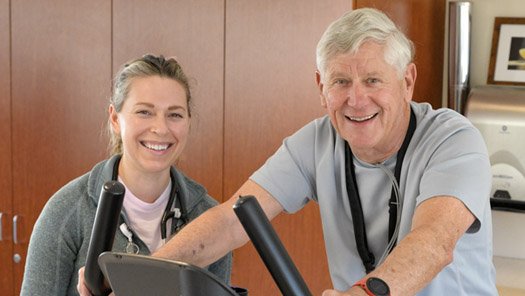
[[60, 238]]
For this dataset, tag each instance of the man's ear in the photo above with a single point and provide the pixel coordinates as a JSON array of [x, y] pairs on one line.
[[113, 119], [410, 80], [320, 85]]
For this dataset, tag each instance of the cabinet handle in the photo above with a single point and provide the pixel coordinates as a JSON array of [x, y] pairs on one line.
[[15, 228], [1, 226]]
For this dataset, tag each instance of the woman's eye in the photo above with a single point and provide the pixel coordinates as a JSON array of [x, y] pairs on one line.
[[176, 115], [143, 112]]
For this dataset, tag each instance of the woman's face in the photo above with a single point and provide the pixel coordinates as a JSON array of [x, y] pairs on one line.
[[153, 124]]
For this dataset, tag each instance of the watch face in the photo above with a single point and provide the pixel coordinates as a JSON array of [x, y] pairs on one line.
[[377, 286]]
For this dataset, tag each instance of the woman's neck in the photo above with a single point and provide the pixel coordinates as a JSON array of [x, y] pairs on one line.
[[145, 186]]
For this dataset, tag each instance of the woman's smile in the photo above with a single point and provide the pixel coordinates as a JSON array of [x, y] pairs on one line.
[[156, 146]]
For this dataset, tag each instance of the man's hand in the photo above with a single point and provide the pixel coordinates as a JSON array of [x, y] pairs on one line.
[[354, 291]]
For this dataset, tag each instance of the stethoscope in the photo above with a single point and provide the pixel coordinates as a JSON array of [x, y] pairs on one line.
[[174, 211]]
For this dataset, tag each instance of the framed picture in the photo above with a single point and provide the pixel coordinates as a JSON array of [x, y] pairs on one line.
[[507, 57]]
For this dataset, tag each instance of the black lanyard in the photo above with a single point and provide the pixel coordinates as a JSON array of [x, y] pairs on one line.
[[355, 202]]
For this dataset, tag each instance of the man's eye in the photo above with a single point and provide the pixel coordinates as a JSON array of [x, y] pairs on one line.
[[372, 80], [341, 81]]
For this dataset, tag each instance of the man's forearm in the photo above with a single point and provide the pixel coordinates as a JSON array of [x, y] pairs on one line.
[[437, 226], [408, 269], [217, 231], [204, 241], [413, 263]]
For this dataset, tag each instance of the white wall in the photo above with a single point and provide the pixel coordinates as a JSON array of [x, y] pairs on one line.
[[483, 14], [509, 228], [482, 25]]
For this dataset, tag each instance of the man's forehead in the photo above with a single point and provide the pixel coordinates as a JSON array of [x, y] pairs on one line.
[[349, 62]]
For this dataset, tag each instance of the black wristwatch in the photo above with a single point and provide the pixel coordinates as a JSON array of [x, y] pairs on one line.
[[374, 286]]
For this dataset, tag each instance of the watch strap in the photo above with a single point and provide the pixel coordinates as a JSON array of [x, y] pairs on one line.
[[364, 284]]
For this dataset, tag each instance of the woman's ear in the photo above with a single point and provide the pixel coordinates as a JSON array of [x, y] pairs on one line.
[[113, 119]]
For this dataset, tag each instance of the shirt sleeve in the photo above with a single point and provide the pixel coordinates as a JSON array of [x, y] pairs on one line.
[[460, 167], [289, 174]]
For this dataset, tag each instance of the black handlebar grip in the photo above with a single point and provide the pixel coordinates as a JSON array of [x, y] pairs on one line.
[[103, 234], [269, 246]]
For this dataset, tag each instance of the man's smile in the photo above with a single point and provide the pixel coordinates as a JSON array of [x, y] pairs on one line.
[[361, 118]]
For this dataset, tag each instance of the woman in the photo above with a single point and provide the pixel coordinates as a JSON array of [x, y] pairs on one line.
[[149, 121]]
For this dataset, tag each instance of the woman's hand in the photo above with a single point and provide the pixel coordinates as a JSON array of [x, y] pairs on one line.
[[81, 286], [82, 289]]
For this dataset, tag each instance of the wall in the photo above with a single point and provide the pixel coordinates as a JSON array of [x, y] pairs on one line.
[[509, 237], [483, 14]]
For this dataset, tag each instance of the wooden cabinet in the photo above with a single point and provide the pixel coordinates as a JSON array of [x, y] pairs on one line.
[[54, 92], [55, 99], [6, 188], [193, 32], [270, 92]]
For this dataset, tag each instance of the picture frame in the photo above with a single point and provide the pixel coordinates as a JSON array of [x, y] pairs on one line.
[[507, 56]]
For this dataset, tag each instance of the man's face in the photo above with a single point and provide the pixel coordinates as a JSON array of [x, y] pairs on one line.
[[368, 101]]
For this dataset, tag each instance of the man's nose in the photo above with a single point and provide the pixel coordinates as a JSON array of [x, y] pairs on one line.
[[356, 95]]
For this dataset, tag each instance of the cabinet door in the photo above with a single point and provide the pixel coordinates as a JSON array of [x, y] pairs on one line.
[[423, 21], [6, 196], [193, 31], [270, 92], [61, 77]]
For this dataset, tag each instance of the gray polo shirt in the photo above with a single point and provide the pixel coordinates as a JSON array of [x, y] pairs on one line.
[[446, 156]]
